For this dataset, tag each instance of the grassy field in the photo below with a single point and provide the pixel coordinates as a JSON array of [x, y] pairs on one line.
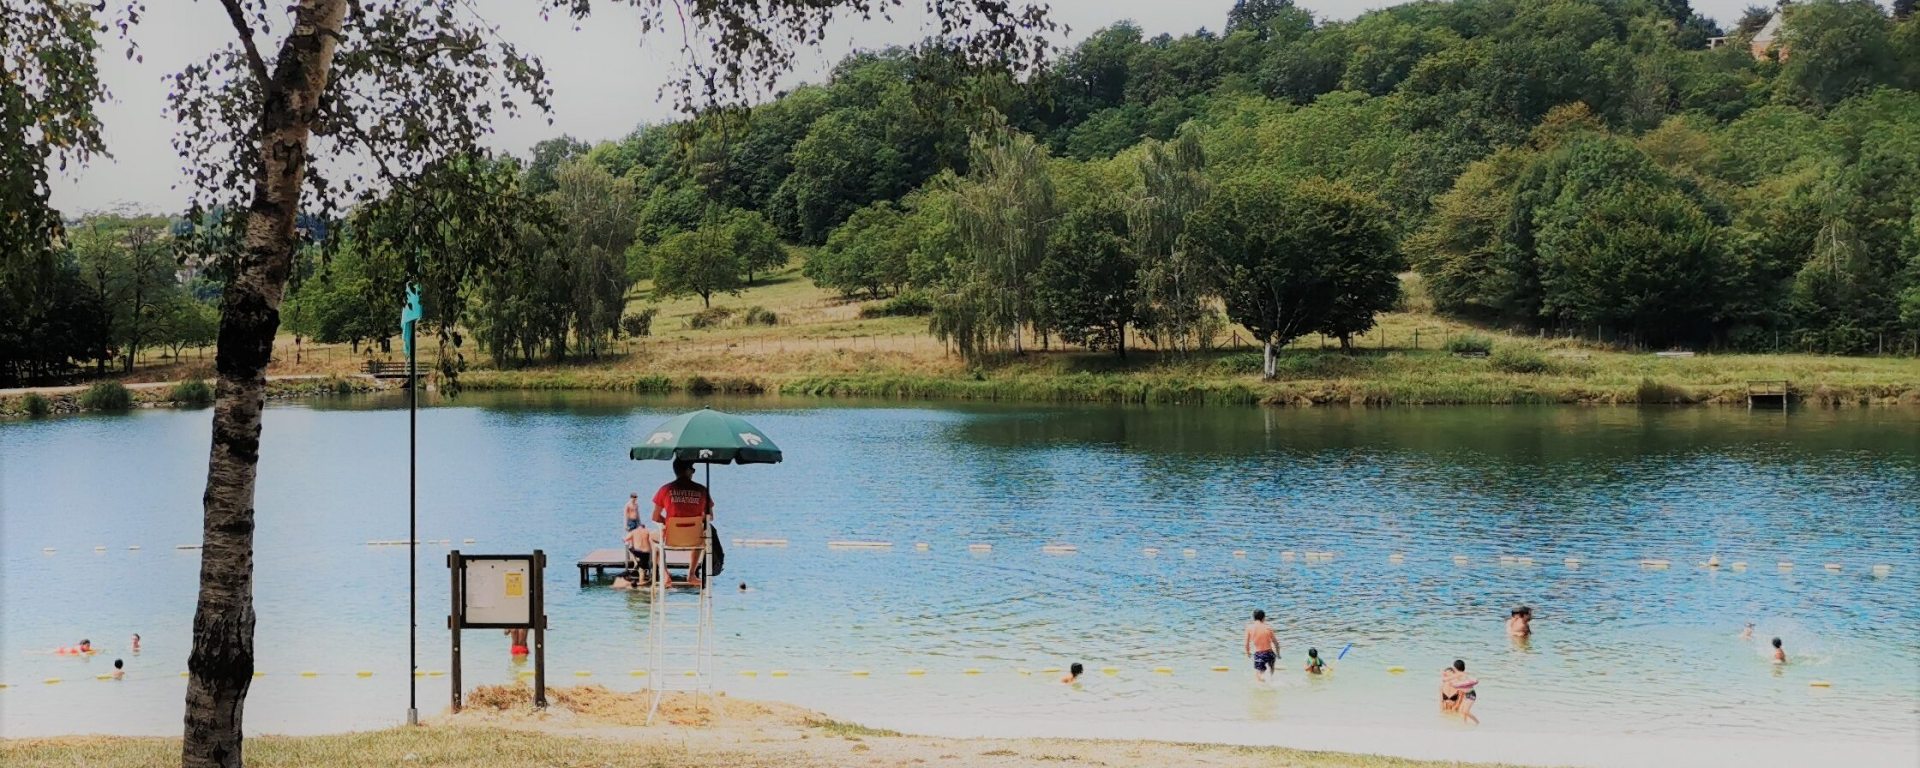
[[821, 346], [595, 727]]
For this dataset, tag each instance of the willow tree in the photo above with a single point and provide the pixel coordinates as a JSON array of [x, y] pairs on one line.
[[1173, 282], [1003, 212], [317, 104]]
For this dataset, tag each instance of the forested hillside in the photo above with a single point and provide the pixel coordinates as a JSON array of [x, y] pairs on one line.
[[1618, 170], [1557, 164]]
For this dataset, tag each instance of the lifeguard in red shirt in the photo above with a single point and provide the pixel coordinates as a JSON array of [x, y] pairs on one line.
[[683, 497]]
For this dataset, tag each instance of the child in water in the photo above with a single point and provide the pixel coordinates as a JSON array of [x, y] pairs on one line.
[[1073, 673], [1314, 665], [1779, 654], [119, 669]]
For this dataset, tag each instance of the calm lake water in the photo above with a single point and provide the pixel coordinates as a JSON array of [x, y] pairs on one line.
[[1623, 654]]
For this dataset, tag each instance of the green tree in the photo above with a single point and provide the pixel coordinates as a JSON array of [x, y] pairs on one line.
[[867, 254], [1288, 252], [697, 263], [1174, 282], [1003, 214], [1835, 49], [548, 156], [755, 242], [593, 226], [1087, 286], [1638, 259]]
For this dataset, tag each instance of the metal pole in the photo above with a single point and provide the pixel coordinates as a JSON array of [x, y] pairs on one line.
[[413, 532]]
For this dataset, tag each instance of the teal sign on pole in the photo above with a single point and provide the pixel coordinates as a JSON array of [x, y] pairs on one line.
[[410, 316]]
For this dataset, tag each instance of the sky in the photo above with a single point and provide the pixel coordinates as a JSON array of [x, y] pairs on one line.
[[606, 76]]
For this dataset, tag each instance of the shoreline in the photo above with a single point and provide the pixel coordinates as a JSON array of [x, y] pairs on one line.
[[1088, 388], [592, 722]]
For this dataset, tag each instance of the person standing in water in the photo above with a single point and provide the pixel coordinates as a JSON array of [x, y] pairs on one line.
[[1520, 623], [1747, 634], [136, 642], [119, 669], [1260, 645], [1073, 673], [633, 511], [1463, 686], [518, 638], [1779, 654]]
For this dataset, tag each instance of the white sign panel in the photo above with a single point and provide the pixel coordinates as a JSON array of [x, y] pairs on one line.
[[499, 591]]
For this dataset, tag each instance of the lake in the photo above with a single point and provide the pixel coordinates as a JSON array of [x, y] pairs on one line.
[[1626, 657]]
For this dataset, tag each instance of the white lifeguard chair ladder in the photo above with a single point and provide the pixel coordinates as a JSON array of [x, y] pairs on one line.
[[680, 624]]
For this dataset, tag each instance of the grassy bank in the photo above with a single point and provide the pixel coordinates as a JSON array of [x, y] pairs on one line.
[[606, 728], [74, 399], [821, 346]]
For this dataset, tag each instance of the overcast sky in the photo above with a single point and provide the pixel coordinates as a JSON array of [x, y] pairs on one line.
[[606, 76]]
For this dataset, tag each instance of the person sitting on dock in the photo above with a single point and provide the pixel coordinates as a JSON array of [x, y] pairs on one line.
[[639, 542]]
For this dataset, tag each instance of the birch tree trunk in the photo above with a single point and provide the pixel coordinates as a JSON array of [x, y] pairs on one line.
[[1267, 360], [221, 664]]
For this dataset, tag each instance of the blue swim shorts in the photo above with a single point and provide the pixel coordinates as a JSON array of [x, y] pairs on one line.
[[1263, 661]]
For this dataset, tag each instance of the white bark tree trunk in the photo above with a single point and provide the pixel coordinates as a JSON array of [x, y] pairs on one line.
[[220, 665]]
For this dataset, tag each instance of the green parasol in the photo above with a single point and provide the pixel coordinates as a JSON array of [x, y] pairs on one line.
[[707, 436]]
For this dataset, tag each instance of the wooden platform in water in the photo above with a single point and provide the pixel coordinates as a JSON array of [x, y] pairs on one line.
[[600, 561]]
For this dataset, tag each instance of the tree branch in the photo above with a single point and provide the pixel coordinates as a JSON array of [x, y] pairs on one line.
[[239, 18]]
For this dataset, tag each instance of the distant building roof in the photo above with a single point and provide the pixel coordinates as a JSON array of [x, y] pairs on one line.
[[1770, 31]]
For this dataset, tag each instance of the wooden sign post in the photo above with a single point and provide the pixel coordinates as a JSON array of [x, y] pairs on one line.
[[500, 592]]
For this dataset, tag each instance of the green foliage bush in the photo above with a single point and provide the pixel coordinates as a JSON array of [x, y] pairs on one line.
[[106, 396], [191, 392], [1518, 359], [1470, 344], [758, 315], [639, 324], [711, 317], [910, 304], [37, 405]]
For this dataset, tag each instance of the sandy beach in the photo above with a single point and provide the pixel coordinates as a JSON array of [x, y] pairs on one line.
[[590, 725]]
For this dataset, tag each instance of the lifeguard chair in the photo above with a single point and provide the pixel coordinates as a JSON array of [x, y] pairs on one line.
[[680, 627], [680, 624]]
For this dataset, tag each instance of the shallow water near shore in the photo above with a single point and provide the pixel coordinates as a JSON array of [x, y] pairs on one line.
[[1624, 653]]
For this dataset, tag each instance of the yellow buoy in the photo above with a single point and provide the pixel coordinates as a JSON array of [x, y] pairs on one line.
[[916, 672], [1049, 670], [688, 673], [437, 673], [259, 674], [749, 673], [1163, 670], [524, 673], [861, 673], [183, 674], [103, 676], [1110, 670], [1395, 670], [582, 673], [972, 671], [1819, 684], [309, 673], [778, 673], [51, 680], [1220, 668], [363, 673], [637, 673]]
